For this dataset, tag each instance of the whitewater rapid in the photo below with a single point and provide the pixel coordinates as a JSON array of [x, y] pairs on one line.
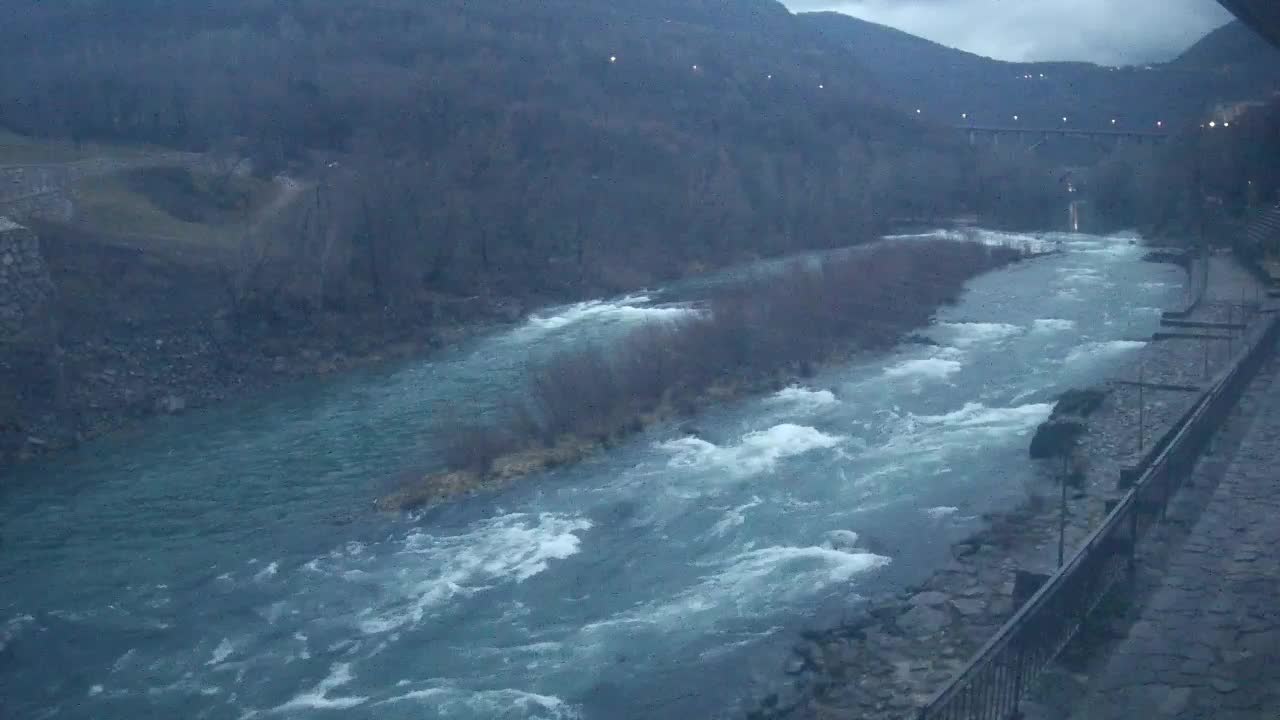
[[227, 565]]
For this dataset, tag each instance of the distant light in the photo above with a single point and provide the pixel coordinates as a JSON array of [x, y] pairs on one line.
[[917, 111], [964, 116], [1226, 124], [613, 58], [822, 87], [1015, 118], [1212, 124], [768, 77], [1159, 123], [1113, 121], [1064, 118], [1041, 76], [695, 68]]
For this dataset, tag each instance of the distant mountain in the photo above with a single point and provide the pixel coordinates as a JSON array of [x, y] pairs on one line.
[[945, 84]]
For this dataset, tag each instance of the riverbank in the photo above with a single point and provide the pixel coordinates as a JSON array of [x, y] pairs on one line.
[[754, 335], [141, 335], [903, 647]]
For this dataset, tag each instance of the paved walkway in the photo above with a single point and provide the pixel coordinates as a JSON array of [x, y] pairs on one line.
[[1207, 644]]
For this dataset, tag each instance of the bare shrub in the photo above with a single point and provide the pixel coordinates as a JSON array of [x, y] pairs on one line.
[[869, 297]]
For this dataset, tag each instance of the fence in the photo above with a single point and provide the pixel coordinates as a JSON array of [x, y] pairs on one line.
[[992, 684]]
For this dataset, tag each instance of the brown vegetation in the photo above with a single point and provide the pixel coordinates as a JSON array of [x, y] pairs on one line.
[[754, 333]]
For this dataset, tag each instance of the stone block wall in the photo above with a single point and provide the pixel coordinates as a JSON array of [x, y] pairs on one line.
[[26, 291]]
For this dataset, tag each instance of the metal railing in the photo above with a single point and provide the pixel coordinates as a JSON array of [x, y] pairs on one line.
[[991, 685]]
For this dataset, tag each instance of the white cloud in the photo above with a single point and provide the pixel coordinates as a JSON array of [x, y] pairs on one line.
[[1109, 32]]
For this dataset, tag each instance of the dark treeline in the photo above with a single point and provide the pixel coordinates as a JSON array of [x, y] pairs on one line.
[[1208, 179], [464, 147]]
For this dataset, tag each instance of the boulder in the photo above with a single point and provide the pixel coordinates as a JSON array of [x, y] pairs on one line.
[[930, 598], [923, 620], [1055, 438], [1079, 403], [969, 607]]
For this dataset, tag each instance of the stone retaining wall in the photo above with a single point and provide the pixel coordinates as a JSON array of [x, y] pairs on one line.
[[26, 291]]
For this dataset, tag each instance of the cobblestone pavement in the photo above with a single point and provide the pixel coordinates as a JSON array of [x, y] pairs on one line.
[[1207, 644]]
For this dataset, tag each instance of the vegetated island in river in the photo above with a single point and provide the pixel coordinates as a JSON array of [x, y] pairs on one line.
[[754, 335]]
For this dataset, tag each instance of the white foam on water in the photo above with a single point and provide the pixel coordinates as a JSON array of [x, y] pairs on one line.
[[1048, 325], [937, 513], [974, 415], [504, 704], [803, 398], [1081, 276], [757, 452], [929, 438], [123, 661], [630, 309], [753, 573], [318, 697], [842, 540], [506, 549], [734, 517], [935, 368], [222, 652], [267, 572], [942, 234], [967, 334], [751, 583], [1090, 352]]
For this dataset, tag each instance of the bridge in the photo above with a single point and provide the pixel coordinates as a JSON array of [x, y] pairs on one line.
[[1034, 136]]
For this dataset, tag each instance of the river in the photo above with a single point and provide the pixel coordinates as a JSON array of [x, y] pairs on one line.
[[228, 563]]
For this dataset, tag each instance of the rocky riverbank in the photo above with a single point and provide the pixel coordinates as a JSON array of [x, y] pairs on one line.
[[903, 647], [126, 336]]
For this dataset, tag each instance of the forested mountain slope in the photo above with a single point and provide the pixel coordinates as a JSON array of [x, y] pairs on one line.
[[1230, 65]]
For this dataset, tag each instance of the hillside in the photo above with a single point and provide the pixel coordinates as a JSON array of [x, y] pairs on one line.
[[1231, 47], [375, 176], [1229, 65]]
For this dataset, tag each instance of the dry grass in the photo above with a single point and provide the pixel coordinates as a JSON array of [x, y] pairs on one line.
[[25, 150]]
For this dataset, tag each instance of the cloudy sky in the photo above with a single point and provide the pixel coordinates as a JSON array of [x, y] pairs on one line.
[[1109, 32]]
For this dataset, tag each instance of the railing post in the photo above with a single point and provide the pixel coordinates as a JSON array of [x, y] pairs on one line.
[[1133, 540]]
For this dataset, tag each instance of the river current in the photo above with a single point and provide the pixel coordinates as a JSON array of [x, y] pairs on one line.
[[228, 563]]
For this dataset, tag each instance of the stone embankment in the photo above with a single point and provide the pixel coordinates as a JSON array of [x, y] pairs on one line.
[[30, 368], [902, 648]]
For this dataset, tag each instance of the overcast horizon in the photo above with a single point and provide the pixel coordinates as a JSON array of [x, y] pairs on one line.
[[1099, 31]]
